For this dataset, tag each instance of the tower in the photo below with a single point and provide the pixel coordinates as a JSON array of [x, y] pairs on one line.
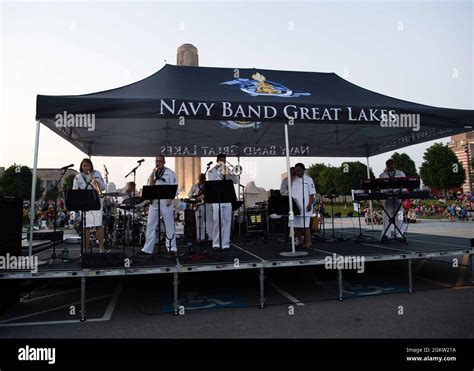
[[187, 168]]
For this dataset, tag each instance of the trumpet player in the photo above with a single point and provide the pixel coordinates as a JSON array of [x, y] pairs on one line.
[[221, 172], [88, 178], [161, 175]]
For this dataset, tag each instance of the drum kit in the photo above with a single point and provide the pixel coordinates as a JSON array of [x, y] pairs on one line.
[[125, 221]]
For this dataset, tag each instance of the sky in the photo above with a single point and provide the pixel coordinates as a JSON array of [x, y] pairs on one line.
[[421, 51]]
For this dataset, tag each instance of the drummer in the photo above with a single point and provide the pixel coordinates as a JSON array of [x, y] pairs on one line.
[[130, 190]]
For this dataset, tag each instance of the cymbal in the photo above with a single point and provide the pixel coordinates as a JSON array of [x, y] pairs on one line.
[[132, 201], [114, 194], [127, 207]]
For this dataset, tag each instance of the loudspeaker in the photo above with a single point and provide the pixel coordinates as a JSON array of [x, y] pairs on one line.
[[103, 260], [190, 224], [11, 215]]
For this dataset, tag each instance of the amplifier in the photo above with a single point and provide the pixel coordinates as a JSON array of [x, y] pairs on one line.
[[103, 260], [49, 235]]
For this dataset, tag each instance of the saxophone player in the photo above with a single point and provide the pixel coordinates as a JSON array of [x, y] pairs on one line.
[[88, 178], [161, 175], [222, 230]]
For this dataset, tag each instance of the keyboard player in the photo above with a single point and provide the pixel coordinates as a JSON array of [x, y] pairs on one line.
[[391, 205]]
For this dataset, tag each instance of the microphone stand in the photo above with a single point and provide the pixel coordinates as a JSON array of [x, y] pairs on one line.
[[304, 211], [53, 255], [134, 172], [206, 235]]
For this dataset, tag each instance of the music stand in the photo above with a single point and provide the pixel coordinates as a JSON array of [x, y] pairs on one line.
[[159, 192], [279, 205], [82, 200], [219, 192]]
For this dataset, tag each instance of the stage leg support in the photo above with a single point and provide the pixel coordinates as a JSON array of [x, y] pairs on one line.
[[175, 293], [471, 259], [410, 277], [83, 298], [262, 288], [339, 280]]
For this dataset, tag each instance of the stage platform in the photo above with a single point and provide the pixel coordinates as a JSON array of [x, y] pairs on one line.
[[252, 253]]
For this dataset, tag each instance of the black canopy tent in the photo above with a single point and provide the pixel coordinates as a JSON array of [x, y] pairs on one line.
[[202, 111]]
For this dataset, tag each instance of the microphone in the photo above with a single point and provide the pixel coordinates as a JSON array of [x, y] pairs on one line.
[[140, 161], [106, 171], [209, 164], [67, 167]]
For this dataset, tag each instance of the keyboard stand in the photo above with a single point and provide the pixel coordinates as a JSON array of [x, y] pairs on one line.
[[392, 221]]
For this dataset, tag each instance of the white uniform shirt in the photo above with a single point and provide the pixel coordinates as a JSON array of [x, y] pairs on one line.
[[298, 191], [83, 181], [215, 174], [195, 190], [394, 174], [284, 187], [167, 177]]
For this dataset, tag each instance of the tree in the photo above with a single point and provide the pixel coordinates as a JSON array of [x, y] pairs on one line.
[[329, 180], [352, 173], [68, 182], [441, 168], [16, 182], [314, 172], [404, 163]]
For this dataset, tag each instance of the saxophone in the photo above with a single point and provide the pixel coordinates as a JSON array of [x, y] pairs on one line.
[[96, 186]]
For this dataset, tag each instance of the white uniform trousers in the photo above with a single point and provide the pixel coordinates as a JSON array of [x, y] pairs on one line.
[[390, 206], [226, 220], [168, 220]]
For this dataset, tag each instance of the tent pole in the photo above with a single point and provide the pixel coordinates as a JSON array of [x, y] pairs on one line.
[[290, 191], [290, 201], [370, 202], [33, 190]]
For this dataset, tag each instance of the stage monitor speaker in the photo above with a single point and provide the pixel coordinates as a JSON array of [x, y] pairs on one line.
[[11, 215], [103, 260]]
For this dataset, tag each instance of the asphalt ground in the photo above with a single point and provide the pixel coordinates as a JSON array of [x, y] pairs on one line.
[[301, 302]]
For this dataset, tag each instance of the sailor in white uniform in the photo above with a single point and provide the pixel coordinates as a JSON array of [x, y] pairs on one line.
[[303, 190], [393, 204], [284, 182], [161, 175], [88, 178], [221, 172]]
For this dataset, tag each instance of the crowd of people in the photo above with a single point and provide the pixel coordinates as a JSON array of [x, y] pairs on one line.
[[457, 208], [50, 212]]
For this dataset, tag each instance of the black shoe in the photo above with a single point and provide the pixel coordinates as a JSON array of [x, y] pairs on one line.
[[142, 253]]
